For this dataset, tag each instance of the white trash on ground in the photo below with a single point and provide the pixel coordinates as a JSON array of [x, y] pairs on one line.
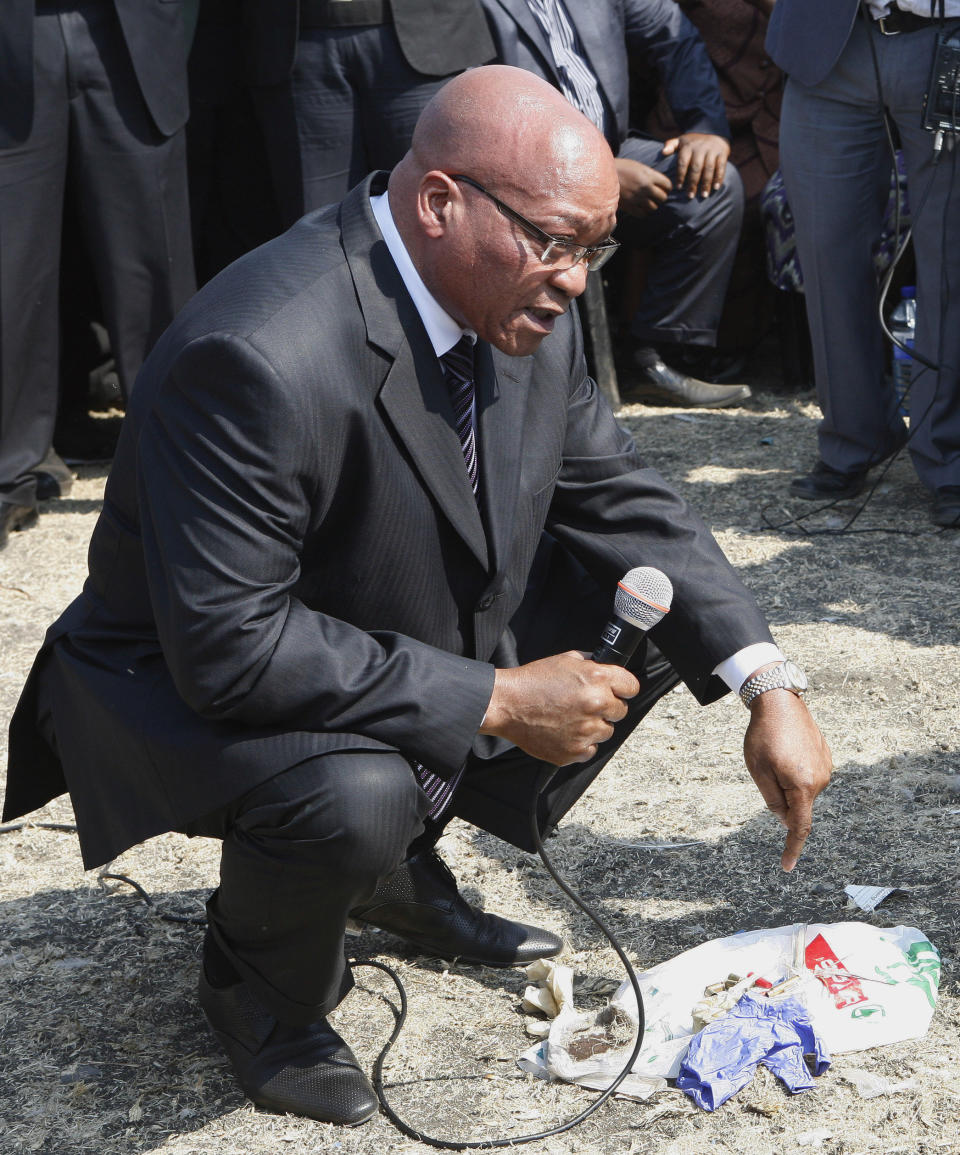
[[862, 986]]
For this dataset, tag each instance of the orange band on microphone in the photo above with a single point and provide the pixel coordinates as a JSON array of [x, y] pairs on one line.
[[641, 598]]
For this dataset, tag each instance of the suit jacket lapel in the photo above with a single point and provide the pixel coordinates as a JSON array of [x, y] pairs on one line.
[[413, 397], [501, 406], [520, 12], [415, 400], [583, 18]]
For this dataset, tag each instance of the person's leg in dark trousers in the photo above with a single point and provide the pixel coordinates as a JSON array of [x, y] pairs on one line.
[[693, 244], [934, 193], [836, 169], [299, 852], [32, 179], [232, 203], [131, 187], [357, 102]]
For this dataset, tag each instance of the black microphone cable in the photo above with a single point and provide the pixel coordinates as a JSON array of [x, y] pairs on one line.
[[486, 1144], [642, 598], [401, 1014]]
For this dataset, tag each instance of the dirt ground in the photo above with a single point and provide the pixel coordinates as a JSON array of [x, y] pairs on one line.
[[104, 1051]]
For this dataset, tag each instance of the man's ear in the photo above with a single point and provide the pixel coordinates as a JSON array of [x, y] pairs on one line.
[[433, 203]]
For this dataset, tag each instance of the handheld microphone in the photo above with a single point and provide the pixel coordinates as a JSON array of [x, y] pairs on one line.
[[643, 597]]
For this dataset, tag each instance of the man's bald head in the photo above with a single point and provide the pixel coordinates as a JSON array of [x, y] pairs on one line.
[[495, 137], [508, 128]]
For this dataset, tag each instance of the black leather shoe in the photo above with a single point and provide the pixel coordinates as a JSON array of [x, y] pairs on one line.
[[14, 516], [657, 381], [704, 363], [53, 475], [946, 506], [306, 1071], [824, 483], [420, 902], [48, 487]]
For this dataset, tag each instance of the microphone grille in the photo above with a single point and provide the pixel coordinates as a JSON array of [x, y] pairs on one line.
[[643, 596]]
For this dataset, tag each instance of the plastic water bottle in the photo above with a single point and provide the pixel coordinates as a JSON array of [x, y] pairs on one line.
[[903, 325]]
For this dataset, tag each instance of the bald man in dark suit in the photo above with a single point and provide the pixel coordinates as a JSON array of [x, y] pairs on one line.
[[321, 585]]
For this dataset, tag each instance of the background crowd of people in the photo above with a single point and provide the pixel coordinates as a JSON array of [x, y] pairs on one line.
[[146, 144]]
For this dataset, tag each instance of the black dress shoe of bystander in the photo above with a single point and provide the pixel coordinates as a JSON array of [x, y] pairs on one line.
[[705, 363], [54, 478], [307, 1071], [14, 516], [655, 380], [823, 483], [420, 902]]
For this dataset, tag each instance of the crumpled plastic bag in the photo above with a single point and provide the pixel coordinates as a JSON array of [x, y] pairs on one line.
[[863, 986], [724, 1056]]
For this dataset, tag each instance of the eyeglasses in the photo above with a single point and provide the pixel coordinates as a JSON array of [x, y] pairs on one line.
[[559, 252]]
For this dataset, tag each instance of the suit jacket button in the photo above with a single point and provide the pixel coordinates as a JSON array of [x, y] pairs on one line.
[[486, 602]]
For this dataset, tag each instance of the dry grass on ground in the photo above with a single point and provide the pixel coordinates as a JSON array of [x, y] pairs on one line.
[[104, 1051]]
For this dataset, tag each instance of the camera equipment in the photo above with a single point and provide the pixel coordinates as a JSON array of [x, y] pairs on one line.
[[941, 102]]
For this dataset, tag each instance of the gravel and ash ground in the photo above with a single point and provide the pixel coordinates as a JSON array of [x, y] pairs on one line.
[[104, 1051]]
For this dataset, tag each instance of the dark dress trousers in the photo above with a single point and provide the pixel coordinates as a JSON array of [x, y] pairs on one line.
[[693, 241], [355, 76], [92, 92], [291, 570], [836, 166], [234, 202]]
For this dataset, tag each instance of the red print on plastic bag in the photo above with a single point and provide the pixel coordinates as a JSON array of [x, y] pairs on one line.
[[844, 987]]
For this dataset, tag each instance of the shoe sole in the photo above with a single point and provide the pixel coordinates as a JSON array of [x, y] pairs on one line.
[[647, 393]]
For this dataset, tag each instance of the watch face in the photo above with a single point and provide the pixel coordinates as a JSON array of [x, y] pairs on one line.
[[795, 676]]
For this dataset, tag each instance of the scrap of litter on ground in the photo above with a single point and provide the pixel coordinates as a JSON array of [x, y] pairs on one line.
[[787, 998]]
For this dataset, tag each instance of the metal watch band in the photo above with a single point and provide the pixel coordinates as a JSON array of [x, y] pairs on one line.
[[773, 679]]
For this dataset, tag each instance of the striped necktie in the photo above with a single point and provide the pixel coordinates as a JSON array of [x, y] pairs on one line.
[[458, 374]]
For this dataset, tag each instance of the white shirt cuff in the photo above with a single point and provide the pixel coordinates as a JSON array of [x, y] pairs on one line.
[[736, 669]]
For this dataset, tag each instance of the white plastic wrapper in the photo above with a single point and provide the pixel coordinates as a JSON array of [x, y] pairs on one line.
[[863, 987]]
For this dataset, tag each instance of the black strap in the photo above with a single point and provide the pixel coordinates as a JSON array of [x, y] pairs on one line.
[[344, 13]]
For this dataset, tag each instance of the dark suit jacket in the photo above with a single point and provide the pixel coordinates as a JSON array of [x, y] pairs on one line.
[[649, 33], [437, 37], [156, 41], [290, 559], [806, 37]]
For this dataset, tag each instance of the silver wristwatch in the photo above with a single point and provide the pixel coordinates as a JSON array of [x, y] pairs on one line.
[[782, 676]]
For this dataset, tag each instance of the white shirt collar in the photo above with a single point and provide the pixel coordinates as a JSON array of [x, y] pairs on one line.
[[442, 329]]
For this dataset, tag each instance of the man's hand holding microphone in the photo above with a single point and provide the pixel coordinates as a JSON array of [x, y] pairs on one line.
[[559, 709]]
